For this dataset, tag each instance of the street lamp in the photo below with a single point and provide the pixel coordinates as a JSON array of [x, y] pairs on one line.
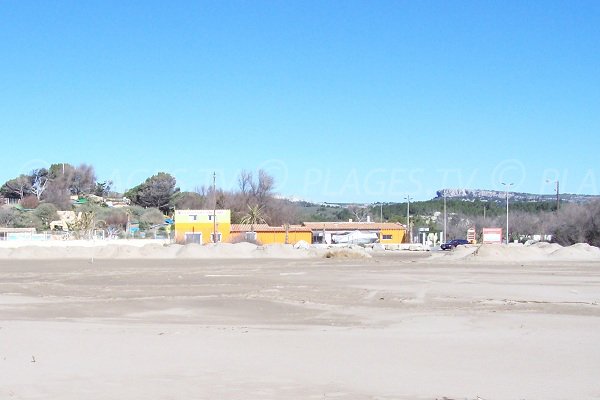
[[445, 218], [557, 193], [507, 185], [407, 198], [215, 207]]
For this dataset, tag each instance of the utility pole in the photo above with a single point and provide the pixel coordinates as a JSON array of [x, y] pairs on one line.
[[214, 207], [409, 231], [557, 197], [381, 212], [557, 193], [507, 185]]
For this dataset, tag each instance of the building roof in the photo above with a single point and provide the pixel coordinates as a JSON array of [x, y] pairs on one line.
[[339, 226], [266, 228]]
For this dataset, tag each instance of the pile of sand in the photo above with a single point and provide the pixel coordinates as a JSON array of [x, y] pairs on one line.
[[346, 252], [577, 252], [458, 253], [513, 253], [547, 247], [510, 253], [127, 250]]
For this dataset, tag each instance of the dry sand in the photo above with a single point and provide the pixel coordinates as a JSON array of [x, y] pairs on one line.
[[182, 325], [147, 249]]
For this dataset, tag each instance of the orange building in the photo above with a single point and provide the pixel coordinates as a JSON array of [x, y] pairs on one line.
[[265, 234]]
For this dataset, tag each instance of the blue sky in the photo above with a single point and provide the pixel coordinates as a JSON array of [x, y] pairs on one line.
[[339, 100]]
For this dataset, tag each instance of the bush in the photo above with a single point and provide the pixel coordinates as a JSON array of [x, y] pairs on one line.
[[8, 216], [151, 216], [577, 224], [46, 212], [30, 202], [27, 219]]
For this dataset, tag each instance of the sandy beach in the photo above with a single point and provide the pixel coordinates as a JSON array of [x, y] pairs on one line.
[[395, 325]]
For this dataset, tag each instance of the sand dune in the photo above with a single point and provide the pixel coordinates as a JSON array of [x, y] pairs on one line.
[[515, 253], [156, 250], [140, 249]]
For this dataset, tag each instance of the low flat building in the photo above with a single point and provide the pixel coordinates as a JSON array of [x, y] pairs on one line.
[[265, 234], [347, 232]]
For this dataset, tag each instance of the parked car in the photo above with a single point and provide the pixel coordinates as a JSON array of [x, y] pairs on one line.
[[453, 243]]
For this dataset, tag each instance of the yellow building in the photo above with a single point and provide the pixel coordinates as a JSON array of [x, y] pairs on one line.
[[265, 234], [197, 226]]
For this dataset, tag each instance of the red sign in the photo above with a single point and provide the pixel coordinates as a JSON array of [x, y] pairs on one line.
[[492, 235]]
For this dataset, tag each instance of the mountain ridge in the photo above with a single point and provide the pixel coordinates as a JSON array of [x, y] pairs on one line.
[[499, 196]]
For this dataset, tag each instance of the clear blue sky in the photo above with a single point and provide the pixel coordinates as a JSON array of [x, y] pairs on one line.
[[339, 100]]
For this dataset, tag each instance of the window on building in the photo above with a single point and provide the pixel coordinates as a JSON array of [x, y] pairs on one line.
[[386, 237], [219, 237], [193, 238]]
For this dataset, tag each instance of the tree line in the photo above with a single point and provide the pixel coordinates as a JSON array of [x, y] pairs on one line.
[[43, 192], [572, 223]]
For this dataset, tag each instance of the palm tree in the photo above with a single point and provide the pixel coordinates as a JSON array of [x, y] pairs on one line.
[[254, 216]]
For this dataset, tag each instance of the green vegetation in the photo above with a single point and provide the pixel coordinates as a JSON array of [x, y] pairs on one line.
[[43, 192]]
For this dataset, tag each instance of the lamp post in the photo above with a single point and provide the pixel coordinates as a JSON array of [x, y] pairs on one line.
[[407, 198], [507, 186], [557, 193], [445, 219], [214, 207]]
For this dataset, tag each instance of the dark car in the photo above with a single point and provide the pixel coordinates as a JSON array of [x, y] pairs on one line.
[[453, 243]]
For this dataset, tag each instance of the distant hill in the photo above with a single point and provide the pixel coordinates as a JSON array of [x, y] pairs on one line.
[[497, 196]]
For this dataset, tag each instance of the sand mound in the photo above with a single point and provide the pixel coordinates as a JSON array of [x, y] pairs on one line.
[[547, 247], [155, 250], [152, 250], [510, 253], [347, 253], [241, 250], [458, 253], [282, 251], [491, 253], [577, 252], [22, 253], [221, 250], [127, 250]]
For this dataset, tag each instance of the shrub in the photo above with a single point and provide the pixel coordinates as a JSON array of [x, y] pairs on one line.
[[29, 202]]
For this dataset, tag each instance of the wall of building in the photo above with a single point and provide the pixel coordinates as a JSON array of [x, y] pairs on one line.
[[279, 237], [201, 221], [397, 236], [275, 237]]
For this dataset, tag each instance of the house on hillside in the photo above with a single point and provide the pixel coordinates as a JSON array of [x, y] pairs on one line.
[[65, 218], [5, 201]]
